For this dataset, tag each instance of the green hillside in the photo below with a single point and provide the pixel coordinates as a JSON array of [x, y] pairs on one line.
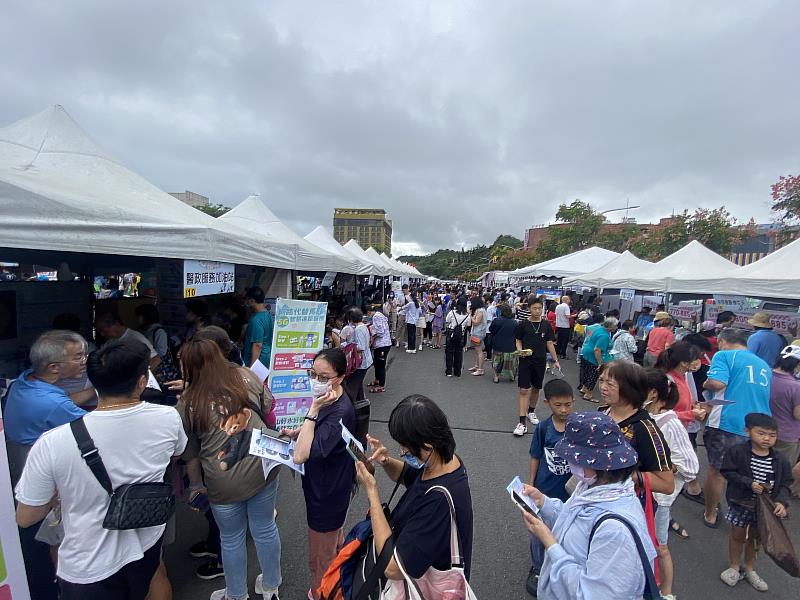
[[452, 264]]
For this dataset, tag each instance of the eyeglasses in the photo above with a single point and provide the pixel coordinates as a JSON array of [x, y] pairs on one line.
[[321, 378], [77, 358]]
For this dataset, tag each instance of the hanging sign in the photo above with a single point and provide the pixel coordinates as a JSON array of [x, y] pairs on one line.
[[205, 277], [627, 294], [327, 281]]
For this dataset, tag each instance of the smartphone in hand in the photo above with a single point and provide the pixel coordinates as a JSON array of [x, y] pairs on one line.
[[200, 503], [518, 497]]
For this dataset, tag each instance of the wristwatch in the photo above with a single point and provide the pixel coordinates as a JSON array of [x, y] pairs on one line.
[[310, 418]]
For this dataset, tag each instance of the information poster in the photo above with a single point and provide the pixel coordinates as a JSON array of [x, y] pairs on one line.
[[329, 278], [627, 294], [297, 337], [13, 584], [206, 277]]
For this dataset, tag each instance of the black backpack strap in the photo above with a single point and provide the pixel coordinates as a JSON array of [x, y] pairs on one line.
[[372, 580], [90, 454], [651, 591]]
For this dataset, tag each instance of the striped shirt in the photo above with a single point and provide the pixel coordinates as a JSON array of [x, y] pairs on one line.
[[523, 312], [762, 469]]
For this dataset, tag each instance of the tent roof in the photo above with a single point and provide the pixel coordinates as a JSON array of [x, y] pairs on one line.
[[255, 216], [321, 237], [617, 267], [392, 269], [400, 267], [772, 276], [376, 268], [575, 263], [59, 191], [691, 269]]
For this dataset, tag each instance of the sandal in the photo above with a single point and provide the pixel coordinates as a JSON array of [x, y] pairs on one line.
[[473, 369], [496, 379], [478, 372], [712, 524], [699, 498], [676, 528], [377, 389], [591, 399]]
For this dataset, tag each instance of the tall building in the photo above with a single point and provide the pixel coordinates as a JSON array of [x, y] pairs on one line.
[[367, 226], [190, 198]]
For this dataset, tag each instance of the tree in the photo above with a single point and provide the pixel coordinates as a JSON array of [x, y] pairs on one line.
[[215, 210], [786, 198], [581, 228]]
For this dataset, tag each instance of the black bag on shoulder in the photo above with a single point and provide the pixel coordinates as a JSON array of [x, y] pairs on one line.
[[455, 336], [133, 505]]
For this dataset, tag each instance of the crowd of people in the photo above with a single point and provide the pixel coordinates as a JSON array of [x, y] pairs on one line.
[[177, 410]]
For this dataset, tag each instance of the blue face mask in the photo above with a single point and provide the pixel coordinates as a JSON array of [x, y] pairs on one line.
[[413, 462]]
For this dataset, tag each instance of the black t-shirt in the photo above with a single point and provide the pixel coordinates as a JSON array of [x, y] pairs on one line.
[[646, 438], [421, 521], [534, 336]]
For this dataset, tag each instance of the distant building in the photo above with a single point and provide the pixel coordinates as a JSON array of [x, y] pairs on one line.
[[190, 198], [766, 238], [367, 226], [537, 233]]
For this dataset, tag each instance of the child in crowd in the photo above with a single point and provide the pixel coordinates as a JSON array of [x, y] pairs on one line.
[[662, 396], [549, 473], [752, 468]]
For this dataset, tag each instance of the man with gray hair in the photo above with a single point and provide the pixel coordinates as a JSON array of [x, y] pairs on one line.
[[741, 378], [34, 405]]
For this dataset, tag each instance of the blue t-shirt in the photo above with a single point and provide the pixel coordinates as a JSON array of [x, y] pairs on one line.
[[553, 472], [747, 380], [34, 407], [766, 344], [259, 330], [596, 336]]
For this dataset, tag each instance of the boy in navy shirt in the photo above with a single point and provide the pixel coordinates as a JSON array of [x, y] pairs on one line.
[[549, 473]]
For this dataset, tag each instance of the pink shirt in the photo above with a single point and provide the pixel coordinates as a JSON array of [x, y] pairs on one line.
[[658, 338], [683, 409]]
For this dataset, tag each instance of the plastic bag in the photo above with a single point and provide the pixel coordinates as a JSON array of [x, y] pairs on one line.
[[774, 539]]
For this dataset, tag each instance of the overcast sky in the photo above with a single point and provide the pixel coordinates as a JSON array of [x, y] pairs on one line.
[[463, 119]]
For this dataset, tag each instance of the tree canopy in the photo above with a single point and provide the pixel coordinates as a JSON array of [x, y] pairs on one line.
[[215, 210]]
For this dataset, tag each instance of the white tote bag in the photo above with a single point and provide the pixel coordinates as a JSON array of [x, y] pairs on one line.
[[434, 584]]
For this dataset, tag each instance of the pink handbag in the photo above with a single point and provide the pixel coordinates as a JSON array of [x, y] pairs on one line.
[[434, 584]]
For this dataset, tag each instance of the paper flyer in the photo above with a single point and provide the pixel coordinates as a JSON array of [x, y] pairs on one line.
[[274, 450], [515, 490], [298, 336]]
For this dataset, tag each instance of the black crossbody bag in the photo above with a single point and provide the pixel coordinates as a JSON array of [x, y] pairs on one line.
[[133, 505]]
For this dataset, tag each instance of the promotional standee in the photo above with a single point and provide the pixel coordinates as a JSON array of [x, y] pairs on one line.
[[297, 337], [13, 585]]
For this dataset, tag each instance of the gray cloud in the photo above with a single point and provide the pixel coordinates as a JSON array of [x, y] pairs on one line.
[[463, 119]]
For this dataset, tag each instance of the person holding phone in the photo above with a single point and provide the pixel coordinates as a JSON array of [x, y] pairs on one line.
[[602, 460], [329, 467], [421, 520]]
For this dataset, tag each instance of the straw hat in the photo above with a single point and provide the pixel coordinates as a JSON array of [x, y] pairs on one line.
[[661, 315], [760, 319]]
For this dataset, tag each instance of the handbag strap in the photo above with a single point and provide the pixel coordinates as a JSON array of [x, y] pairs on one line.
[[651, 591], [456, 554], [90, 454]]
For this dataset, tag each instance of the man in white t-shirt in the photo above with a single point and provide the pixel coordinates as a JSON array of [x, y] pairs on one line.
[[563, 329], [136, 442], [111, 327]]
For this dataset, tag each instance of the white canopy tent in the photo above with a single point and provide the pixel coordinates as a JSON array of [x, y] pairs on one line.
[[253, 215], [377, 268], [402, 270], [617, 267], [321, 237], [59, 191], [692, 269], [576, 263], [774, 275], [393, 270]]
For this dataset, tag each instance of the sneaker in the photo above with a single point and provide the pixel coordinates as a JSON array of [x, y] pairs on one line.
[[533, 418], [221, 595], [755, 580], [669, 597], [265, 594], [520, 430], [210, 570], [201, 550], [449, 374], [412, 351], [731, 576], [532, 583]]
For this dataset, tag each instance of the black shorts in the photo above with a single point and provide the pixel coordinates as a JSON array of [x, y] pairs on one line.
[[717, 443], [531, 374], [131, 582]]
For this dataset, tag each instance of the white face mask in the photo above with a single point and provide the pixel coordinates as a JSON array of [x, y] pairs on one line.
[[318, 388], [578, 471]]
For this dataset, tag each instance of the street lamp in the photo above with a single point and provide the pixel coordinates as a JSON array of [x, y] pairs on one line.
[[626, 208]]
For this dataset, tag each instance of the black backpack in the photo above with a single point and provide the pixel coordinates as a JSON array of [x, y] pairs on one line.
[[456, 334]]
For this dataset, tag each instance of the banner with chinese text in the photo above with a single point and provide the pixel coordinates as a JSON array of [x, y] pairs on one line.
[[206, 277]]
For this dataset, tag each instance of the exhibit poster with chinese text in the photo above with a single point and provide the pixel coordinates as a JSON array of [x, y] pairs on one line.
[[297, 337]]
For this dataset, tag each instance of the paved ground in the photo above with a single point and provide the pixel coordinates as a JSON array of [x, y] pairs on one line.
[[482, 415]]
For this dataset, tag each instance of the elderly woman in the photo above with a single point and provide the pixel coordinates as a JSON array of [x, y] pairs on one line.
[[421, 520], [601, 525], [595, 352], [504, 345]]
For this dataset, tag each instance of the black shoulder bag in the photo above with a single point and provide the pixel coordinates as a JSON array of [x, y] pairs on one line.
[[133, 505]]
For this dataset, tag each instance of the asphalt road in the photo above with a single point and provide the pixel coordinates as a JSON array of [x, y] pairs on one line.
[[482, 415]]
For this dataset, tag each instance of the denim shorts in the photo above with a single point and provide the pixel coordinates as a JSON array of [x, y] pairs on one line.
[[717, 443], [661, 519]]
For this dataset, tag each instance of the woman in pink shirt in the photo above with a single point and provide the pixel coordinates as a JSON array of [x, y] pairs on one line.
[[659, 339], [675, 362]]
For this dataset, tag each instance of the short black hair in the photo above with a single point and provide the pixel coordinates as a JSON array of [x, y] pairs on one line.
[[613, 313], [631, 379], [558, 388], [760, 420], [787, 363], [598, 318], [116, 368], [256, 294], [725, 316], [647, 308], [534, 300], [416, 421], [626, 324], [336, 358], [615, 476]]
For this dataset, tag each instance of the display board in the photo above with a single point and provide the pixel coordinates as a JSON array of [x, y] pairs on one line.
[[205, 278], [297, 336]]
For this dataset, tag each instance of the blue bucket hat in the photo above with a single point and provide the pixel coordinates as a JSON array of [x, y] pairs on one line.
[[594, 440]]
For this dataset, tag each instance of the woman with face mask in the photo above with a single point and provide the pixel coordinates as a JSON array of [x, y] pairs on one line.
[[329, 469], [579, 546], [420, 526]]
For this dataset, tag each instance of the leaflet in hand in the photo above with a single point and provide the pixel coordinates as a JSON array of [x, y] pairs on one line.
[[715, 399], [518, 496], [274, 450]]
